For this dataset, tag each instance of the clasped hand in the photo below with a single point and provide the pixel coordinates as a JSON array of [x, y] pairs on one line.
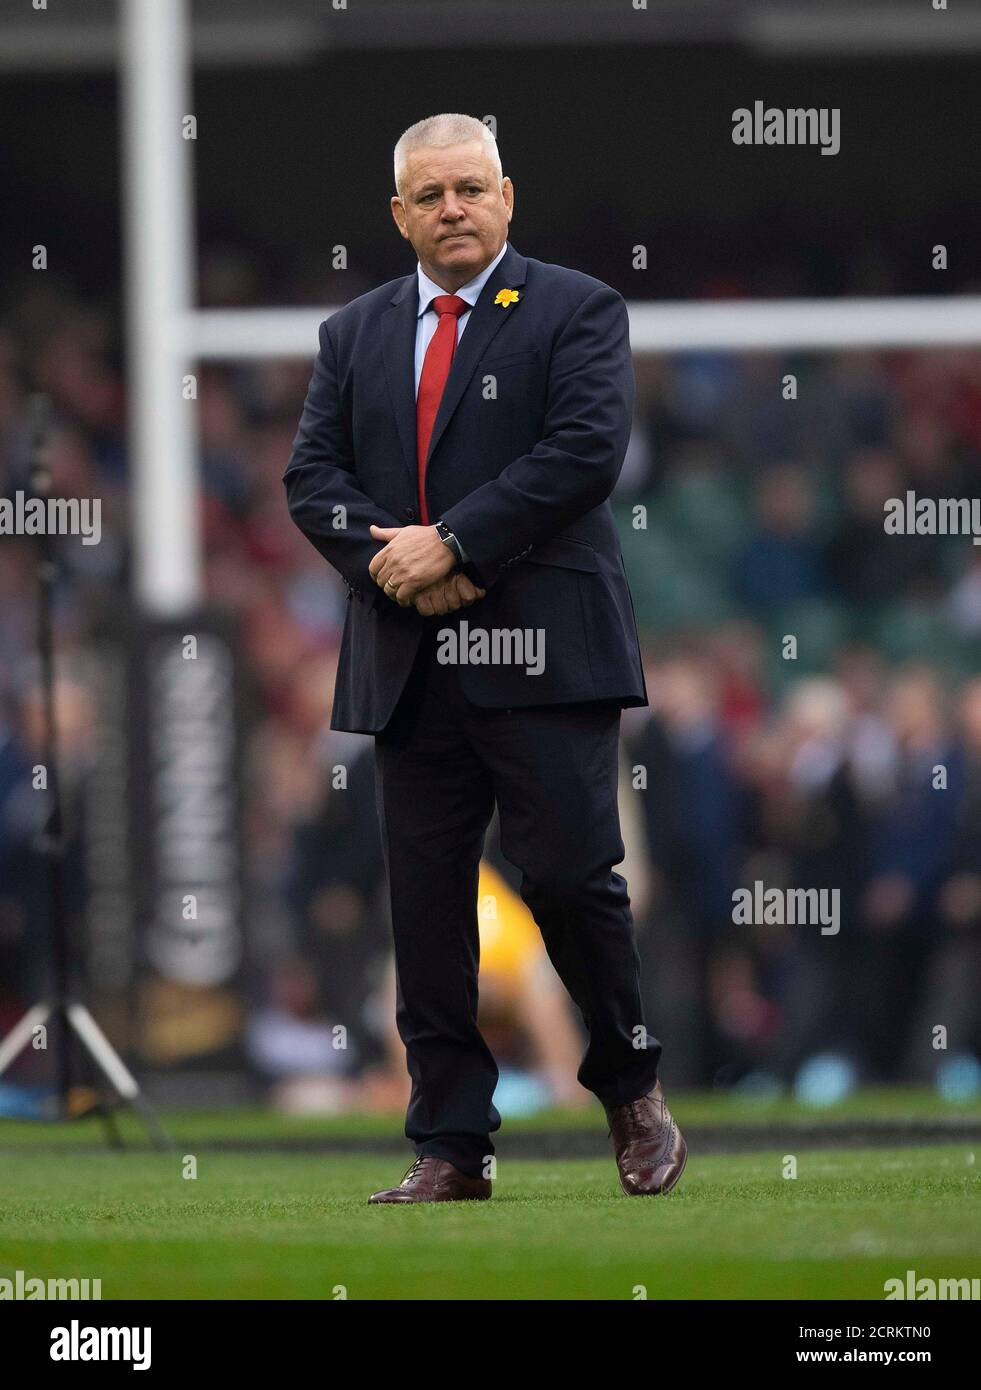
[[414, 569]]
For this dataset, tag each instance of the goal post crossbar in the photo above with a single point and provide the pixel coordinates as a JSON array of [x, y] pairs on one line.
[[665, 326]]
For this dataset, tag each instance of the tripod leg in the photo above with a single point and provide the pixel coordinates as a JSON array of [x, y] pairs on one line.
[[62, 1035], [111, 1125], [154, 1128], [108, 1061], [21, 1034]]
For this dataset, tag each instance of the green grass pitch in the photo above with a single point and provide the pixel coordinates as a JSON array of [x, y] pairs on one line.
[[296, 1225]]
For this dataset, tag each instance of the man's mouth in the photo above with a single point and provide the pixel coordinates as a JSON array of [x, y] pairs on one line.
[[456, 236]]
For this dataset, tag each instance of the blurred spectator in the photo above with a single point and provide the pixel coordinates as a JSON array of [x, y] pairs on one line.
[[781, 564], [691, 817], [865, 564], [811, 818], [911, 826], [952, 987]]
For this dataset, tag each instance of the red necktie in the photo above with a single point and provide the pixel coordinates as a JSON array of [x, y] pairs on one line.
[[435, 370]]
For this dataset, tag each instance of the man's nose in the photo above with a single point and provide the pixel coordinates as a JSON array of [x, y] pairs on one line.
[[452, 210]]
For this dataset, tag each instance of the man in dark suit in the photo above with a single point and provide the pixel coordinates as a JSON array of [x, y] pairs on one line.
[[461, 436]]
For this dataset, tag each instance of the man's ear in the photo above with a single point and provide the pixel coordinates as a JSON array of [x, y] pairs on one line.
[[507, 192], [398, 213]]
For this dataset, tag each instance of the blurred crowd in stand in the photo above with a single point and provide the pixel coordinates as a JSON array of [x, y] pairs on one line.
[[847, 757]]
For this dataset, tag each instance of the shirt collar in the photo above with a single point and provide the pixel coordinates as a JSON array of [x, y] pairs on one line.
[[428, 290]]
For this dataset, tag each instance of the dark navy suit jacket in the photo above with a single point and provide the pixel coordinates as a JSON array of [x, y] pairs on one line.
[[525, 451]]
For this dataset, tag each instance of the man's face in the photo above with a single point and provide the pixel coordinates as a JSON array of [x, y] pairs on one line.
[[454, 211]]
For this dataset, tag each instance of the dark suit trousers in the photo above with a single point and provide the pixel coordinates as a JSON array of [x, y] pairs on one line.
[[441, 763]]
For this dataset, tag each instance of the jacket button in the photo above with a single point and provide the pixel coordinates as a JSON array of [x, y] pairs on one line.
[[410, 514]]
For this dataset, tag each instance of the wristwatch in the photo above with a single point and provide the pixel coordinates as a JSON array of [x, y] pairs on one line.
[[448, 538]]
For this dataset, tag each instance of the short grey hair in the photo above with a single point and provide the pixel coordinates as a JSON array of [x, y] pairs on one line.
[[436, 132]]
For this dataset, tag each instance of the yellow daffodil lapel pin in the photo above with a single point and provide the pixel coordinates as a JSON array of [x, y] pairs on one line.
[[506, 298]]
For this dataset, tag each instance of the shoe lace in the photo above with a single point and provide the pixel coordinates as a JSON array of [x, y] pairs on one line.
[[415, 1167], [633, 1120]]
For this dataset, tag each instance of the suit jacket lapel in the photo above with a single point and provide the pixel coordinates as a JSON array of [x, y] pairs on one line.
[[399, 349], [486, 318]]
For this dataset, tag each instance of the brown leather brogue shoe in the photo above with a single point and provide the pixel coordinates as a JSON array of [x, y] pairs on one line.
[[651, 1154], [433, 1179]]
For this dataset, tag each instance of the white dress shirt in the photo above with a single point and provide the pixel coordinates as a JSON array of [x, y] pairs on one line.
[[428, 318]]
